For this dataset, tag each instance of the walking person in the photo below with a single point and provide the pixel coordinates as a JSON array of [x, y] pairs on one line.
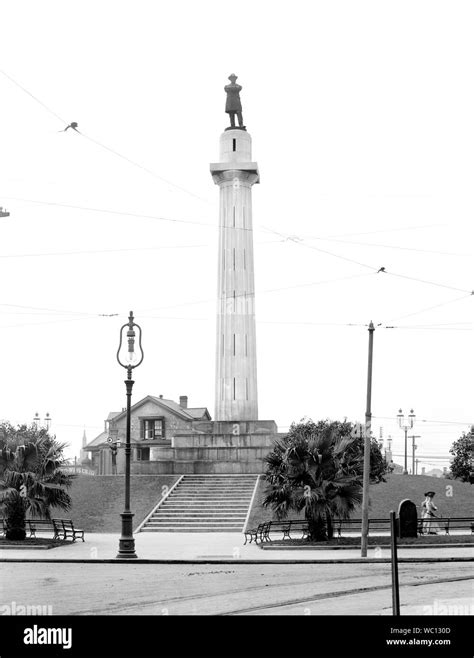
[[428, 509]]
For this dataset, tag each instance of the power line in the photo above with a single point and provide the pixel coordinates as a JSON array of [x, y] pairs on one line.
[[252, 294], [429, 308], [149, 171], [107, 148], [387, 230], [431, 283], [132, 214], [48, 109], [390, 246], [29, 324], [102, 251], [41, 308], [300, 242], [426, 420], [427, 327]]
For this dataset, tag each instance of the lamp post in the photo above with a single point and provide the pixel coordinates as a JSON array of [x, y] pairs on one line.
[[130, 360], [406, 424], [413, 450]]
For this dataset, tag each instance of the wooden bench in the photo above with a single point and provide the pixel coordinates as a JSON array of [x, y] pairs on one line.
[[449, 523], [355, 525], [253, 533], [70, 530], [262, 532], [45, 525]]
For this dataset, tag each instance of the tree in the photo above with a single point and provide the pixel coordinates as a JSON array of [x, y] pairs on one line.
[[316, 468], [462, 466], [31, 479]]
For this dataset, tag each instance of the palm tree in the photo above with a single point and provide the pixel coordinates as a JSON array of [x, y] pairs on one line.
[[315, 469], [31, 480]]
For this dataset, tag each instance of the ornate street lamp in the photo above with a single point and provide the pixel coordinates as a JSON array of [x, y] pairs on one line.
[[129, 360], [406, 424]]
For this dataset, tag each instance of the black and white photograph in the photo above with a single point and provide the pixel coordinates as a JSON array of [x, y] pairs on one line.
[[236, 318]]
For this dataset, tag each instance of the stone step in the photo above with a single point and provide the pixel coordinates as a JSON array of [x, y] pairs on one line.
[[193, 523], [223, 507], [192, 485], [200, 487], [188, 529], [198, 514], [211, 498], [211, 492], [204, 504], [211, 501], [213, 476]]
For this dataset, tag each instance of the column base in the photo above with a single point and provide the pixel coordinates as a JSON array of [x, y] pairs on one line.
[[127, 541]]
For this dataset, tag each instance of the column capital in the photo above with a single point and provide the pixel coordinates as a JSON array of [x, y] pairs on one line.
[[221, 174]]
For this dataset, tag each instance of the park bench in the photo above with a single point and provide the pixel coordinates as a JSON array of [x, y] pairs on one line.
[[70, 530], [262, 532], [253, 533], [355, 525], [44, 525], [450, 523]]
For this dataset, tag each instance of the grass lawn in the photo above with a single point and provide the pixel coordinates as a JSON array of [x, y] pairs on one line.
[[98, 500], [453, 498]]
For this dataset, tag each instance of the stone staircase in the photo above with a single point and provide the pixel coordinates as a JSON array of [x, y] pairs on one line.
[[204, 503]]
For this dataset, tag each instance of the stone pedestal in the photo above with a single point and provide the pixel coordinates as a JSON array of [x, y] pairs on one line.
[[215, 447]]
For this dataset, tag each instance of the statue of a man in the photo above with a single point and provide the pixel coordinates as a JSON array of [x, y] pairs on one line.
[[233, 105]]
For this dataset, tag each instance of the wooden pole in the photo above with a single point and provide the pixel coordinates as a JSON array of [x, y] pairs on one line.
[[395, 588], [368, 422]]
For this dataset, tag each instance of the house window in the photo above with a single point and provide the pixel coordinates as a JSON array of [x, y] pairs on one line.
[[143, 454], [153, 428]]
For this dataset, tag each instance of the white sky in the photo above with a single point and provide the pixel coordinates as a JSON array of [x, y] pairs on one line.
[[361, 115]]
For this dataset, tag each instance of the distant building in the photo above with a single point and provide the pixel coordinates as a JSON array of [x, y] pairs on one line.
[[154, 421]]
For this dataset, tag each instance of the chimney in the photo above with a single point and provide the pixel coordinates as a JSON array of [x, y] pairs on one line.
[[183, 401]]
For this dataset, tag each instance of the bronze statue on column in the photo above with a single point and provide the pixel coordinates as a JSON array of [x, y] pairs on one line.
[[233, 105]]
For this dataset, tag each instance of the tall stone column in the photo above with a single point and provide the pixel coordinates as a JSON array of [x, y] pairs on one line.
[[236, 357]]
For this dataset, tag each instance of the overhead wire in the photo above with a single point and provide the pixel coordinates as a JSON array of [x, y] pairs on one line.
[[293, 239], [252, 294], [107, 148], [300, 242], [48, 109], [136, 164], [132, 214], [428, 420], [390, 246], [429, 308]]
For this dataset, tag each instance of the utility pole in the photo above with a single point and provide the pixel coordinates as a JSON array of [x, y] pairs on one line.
[[367, 433], [416, 465], [413, 449]]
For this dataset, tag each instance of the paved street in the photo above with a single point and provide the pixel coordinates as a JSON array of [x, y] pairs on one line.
[[204, 589]]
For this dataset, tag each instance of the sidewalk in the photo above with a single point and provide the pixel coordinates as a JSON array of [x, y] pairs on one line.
[[217, 547]]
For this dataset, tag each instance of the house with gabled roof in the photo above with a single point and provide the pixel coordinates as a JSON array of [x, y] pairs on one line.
[[154, 423]]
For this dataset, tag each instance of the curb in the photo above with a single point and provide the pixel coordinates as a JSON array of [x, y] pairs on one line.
[[239, 561], [278, 547]]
